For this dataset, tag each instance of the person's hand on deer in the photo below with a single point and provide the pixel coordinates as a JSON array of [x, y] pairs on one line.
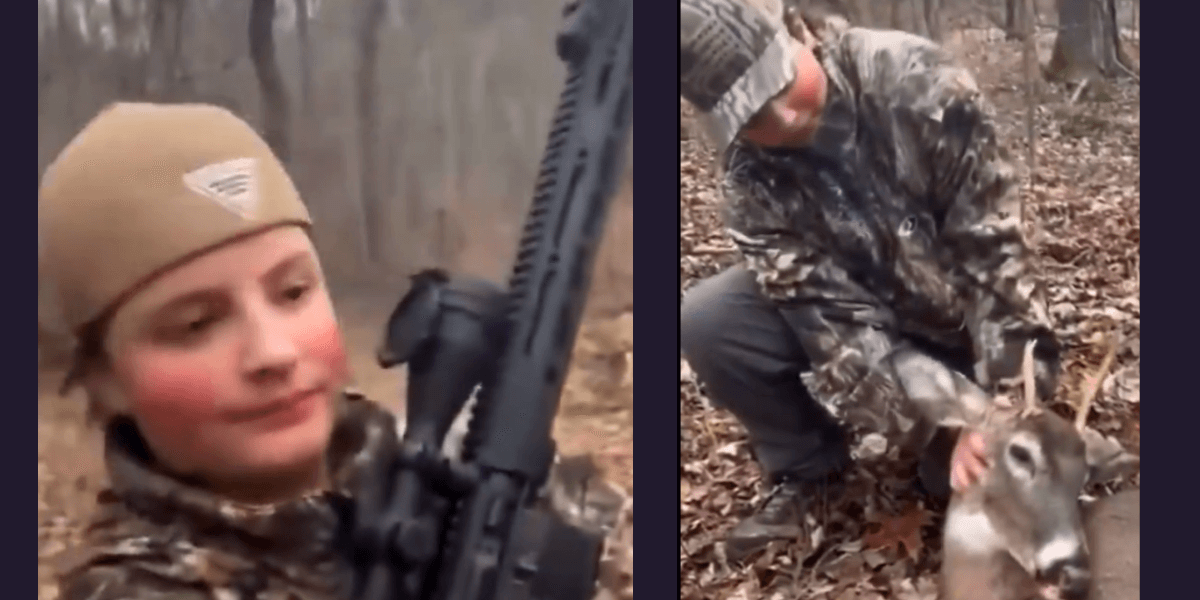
[[876, 216], [968, 462]]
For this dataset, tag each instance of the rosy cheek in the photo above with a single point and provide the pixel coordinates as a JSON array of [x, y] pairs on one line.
[[806, 94], [174, 398], [321, 341]]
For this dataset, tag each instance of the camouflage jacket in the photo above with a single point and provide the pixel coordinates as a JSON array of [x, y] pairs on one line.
[[900, 220], [155, 536]]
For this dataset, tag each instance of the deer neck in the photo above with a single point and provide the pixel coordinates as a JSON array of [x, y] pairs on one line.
[[969, 530], [977, 561]]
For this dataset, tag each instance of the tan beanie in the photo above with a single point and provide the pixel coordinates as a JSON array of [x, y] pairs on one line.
[[146, 187]]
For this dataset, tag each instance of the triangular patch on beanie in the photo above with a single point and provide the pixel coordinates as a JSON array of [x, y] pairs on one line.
[[233, 184]]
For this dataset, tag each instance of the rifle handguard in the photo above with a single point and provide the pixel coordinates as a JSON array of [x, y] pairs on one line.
[[495, 539]]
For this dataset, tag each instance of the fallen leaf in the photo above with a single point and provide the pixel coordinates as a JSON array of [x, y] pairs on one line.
[[903, 530]]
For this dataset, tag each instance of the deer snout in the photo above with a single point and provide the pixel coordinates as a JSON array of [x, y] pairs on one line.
[[1070, 577]]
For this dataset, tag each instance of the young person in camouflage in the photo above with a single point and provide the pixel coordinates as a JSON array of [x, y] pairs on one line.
[[878, 219], [208, 348]]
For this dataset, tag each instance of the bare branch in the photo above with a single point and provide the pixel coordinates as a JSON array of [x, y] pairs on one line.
[[1085, 404], [1031, 399]]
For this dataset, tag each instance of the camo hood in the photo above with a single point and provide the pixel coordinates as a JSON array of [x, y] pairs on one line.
[[156, 536]]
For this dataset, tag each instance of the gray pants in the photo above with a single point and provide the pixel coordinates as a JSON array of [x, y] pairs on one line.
[[750, 361]]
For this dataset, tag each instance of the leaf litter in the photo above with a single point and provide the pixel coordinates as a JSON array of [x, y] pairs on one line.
[[882, 539]]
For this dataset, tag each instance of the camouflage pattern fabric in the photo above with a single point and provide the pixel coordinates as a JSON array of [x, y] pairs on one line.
[[734, 56], [155, 536], [901, 219]]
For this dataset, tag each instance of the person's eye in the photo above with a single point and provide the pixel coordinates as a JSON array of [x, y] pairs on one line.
[[199, 325], [188, 330], [294, 293]]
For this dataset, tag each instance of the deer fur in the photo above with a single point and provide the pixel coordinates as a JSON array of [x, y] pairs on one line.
[[1018, 534]]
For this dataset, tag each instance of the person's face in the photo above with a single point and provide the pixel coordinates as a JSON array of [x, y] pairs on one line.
[[791, 118], [230, 364]]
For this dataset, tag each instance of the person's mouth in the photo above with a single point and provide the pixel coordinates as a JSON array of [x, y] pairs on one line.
[[276, 407]]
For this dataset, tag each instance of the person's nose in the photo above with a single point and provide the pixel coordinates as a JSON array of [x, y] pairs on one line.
[[269, 352]]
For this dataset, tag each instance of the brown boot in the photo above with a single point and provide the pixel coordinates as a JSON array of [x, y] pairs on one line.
[[781, 516]]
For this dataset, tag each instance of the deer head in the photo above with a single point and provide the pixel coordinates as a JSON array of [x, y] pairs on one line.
[[1019, 532]]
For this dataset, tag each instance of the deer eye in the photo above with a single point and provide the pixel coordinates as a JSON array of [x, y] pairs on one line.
[[1021, 455]]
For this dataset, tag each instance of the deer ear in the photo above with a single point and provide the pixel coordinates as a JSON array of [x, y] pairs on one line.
[[1106, 459], [945, 396]]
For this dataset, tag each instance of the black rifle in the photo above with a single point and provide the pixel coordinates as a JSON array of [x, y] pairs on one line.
[[433, 527]]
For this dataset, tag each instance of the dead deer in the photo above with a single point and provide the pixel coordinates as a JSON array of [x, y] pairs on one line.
[[1019, 533]]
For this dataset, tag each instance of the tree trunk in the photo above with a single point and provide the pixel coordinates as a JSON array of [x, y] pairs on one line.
[[275, 110], [1029, 57], [1088, 45], [1016, 19], [451, 171], [131, 64], [933, 26], [166, 49], [305, 56], [375, 228], [70, 50], [178, 80], [895, 18]]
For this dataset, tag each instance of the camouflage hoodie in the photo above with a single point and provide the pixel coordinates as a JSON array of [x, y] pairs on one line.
[[155, 536], [900, 221]]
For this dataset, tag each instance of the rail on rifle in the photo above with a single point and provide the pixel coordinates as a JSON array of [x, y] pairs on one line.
[[471, 527]]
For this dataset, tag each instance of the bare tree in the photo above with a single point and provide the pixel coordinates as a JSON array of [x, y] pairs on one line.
[[1029, 57], [70, 47], [1088, 45], [132, 68], [305, 56], [929, 10], [166, 49], [276, 114], [368, 125], [1017, 19], [379, 130]]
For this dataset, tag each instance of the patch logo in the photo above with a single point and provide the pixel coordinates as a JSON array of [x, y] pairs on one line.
[[233, 184]]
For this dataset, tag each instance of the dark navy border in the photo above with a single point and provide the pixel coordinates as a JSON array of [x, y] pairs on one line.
[[20, 241], [1169, 261], [656, 287], [1169, 258]]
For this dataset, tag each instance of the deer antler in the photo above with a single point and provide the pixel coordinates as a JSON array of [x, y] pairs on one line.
[[1085, 404], [1031, 400]]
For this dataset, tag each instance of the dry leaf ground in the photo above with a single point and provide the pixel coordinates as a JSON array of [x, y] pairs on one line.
[[1083, 214]]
